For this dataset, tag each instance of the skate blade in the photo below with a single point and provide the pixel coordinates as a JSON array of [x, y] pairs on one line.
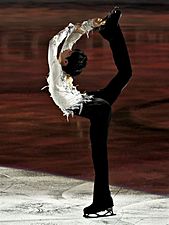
[[105, 213]]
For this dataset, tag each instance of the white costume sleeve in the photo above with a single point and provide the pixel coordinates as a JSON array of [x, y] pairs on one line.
[[55, 69], [56, 41], [74, 36]]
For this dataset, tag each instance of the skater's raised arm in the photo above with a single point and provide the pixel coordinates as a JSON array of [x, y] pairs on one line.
[[55, 42], [79, 30], [72, 33]]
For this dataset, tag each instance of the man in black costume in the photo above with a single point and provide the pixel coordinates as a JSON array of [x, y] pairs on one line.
[[97, 106]]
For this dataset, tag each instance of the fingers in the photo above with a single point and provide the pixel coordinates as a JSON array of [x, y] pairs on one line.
[[97, 22]]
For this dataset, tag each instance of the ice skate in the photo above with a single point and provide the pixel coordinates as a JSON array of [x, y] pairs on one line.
[[102, 209], [95, 211], [111, 21], [115, 13]]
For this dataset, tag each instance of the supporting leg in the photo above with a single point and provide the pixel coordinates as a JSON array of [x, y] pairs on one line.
[[99, 113]]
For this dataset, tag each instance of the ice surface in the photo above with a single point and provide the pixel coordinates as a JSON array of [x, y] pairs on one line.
[[30, 198]]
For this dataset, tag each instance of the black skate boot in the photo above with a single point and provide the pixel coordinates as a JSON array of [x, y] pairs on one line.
[[112, 20], [101, 209]]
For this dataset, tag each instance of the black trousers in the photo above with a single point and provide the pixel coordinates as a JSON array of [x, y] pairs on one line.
[[98, 111]]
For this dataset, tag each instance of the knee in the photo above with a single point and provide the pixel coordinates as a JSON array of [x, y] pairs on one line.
[[128, 75], [106, 108], [125, 75], [129, 72]]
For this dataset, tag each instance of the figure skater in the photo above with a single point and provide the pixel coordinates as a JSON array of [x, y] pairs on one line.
[[64, 66]]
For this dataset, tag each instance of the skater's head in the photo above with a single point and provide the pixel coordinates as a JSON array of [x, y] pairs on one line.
[[73, 61]]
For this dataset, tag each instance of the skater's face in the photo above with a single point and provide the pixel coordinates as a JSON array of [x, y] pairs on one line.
[[64, 55]]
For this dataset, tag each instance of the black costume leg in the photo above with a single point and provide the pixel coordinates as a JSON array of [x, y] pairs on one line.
[[113, 34], [99, 113]]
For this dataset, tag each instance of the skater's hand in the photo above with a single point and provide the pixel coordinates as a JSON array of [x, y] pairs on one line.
[[97, 22], [78, 28]]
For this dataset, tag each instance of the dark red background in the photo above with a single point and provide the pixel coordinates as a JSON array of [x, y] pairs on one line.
[[34, 134]]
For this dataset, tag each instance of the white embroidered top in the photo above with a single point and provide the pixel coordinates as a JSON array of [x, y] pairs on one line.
[[61, 89]]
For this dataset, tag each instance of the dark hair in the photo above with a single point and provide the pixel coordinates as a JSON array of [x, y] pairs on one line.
[[76, 62]]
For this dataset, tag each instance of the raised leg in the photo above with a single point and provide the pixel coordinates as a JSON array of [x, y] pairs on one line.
[[111, 31]]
